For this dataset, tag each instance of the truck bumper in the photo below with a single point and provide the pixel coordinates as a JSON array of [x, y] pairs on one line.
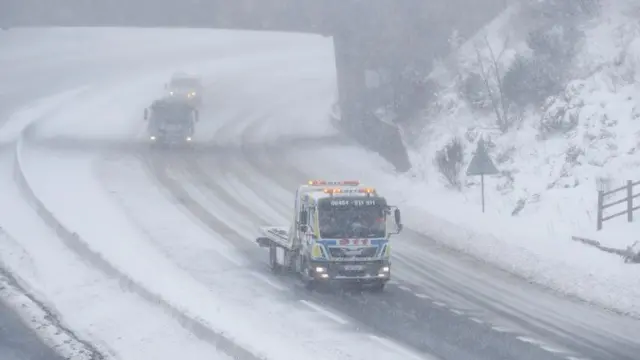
[[352, 273]]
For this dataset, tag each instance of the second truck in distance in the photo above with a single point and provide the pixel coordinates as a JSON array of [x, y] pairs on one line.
[[339, 234]]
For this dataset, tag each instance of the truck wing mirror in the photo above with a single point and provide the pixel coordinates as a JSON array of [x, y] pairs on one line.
[[303, 217], [197, 115], [146, 114], [396, 215]]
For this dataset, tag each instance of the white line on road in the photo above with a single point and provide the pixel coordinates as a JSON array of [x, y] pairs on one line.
[[325, 312], [438, 303], [502, 329], [408, 354], [267, 281], [423, 296], [457, 312], [541, 345], [528, 340]]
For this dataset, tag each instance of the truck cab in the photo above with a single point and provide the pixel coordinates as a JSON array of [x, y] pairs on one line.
[[186, 87], [170, 121], [339, 233]]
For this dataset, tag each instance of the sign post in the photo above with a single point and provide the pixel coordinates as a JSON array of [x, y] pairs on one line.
[[481, 164]]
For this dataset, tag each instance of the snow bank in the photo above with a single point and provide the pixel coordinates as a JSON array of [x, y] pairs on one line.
[[40, 319], [547, 190]]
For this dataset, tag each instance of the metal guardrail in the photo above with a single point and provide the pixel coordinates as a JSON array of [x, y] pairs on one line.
[[628, 200]]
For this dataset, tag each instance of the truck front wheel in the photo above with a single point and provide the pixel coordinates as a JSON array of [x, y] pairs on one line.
[[378, 286], [307, 278]]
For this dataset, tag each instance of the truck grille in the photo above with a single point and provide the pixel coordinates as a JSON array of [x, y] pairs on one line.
[[364, 252]]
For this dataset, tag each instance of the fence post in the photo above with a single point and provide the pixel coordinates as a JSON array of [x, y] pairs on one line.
[[629, 200], [600, 205]]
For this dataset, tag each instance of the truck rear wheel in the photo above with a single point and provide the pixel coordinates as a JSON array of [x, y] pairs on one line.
[[273, 259]]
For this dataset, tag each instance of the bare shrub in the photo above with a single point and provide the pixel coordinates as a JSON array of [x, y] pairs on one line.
[[449, 161]]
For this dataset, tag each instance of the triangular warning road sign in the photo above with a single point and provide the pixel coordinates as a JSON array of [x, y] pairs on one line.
[[481, 163]]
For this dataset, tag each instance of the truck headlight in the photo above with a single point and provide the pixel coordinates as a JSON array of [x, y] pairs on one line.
[[320, 269], [384, 269]]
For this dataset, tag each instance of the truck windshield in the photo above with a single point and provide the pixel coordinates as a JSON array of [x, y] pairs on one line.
[[352, 218], [172, 115], [185, 83]]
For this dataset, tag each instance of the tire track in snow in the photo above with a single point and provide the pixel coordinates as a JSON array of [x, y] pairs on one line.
[[80, 247]]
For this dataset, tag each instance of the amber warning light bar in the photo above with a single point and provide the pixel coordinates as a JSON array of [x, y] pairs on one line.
[[338, 190], [335, 183]]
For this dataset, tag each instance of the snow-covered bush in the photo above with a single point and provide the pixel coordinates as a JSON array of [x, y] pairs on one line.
[[474, 92], [449, 161], [558, 119]]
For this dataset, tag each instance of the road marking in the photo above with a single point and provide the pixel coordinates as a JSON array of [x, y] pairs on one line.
[[502, 329], [457, 312], [539, 343], [423, 296], [551, 349], [267, 281], [405, 288], [476, 320], [396, 347], [528, 340], [438, 303], [325, 312]]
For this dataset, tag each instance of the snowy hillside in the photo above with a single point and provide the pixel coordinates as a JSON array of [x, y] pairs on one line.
[[562, 118]]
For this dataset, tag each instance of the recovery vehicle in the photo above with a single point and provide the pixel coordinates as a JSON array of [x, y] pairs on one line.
[[170, 121], [339, 234]]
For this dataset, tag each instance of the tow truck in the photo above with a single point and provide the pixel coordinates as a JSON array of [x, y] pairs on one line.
[[339, 234]]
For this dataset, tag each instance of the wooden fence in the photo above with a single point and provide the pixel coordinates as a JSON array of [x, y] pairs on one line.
[[628, 200]]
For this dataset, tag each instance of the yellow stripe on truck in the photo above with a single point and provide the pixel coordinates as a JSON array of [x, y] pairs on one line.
[[316, 251]]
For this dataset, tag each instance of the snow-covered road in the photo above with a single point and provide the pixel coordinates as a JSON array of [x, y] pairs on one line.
[[164, 260]]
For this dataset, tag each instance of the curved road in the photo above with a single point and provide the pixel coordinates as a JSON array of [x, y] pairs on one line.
[[441, 303]]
